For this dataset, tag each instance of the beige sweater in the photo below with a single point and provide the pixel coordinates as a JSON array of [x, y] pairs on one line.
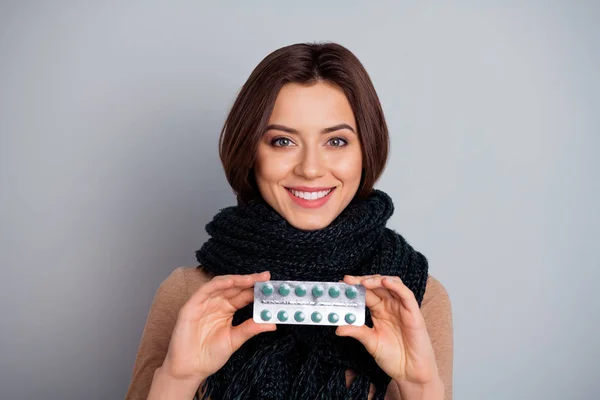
[[179, 286]]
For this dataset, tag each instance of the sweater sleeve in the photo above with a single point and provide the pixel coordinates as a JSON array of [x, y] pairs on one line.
[[437, 312], [169, 298]]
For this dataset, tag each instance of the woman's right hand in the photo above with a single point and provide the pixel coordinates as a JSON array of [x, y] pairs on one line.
[[203, 338]]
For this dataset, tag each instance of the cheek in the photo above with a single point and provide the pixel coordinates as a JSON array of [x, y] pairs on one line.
[[348, 168], [270, 168]]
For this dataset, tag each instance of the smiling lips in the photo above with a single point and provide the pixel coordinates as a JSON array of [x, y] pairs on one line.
[[310, 197]]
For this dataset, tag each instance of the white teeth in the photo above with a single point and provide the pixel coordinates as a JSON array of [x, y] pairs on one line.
[[310, 195]]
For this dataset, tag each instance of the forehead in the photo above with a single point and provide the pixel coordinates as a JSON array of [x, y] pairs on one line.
[[319, 104]]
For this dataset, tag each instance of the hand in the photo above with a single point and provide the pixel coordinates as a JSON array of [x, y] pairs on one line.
[[203, 338], [399, 341]]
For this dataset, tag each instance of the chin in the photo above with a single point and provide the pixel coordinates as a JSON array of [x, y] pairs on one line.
[[309, 224]]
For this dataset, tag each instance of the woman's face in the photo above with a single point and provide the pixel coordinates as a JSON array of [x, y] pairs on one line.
[[309, 160]]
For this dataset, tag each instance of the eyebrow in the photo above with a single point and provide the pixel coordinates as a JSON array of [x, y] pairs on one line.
[[295, 131]]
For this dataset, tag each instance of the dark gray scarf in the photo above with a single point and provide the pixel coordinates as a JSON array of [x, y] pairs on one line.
[[306, 362]]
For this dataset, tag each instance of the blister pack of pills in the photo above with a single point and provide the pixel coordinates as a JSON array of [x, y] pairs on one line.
[[309, 303]]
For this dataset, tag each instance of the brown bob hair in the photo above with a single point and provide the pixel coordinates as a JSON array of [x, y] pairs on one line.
[[303, 63]]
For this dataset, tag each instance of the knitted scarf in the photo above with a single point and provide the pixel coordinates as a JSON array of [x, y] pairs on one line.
[[306, 362]]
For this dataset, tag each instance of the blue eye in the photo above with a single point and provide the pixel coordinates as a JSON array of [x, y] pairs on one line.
[[281, 142], [337, 142]]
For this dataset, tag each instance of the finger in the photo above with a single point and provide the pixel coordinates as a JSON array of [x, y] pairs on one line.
[[236, 297], [223, 282], [399, 290], [241, 333], [356, 280], [241, 298], [372, 299], [245, 281], [376, 285], [206, 290], [224, 304], [243, 291], [363, 334], [411, 314]]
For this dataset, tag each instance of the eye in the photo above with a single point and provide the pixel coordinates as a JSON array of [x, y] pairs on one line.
[[281, 142], [337, 142]]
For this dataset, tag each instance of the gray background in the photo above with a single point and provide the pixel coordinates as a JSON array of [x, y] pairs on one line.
[[109, 119]]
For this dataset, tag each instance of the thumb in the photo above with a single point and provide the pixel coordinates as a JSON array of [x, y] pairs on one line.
[[243, 332]]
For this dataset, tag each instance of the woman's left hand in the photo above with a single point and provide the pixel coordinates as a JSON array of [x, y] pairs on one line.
[[398, 341]]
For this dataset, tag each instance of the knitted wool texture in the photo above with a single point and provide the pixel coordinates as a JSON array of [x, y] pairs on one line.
[[306, 362]]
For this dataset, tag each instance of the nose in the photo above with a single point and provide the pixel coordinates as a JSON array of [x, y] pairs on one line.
[[311, 164]]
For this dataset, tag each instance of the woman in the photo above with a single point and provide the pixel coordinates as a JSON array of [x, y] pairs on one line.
[[302, 147]]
